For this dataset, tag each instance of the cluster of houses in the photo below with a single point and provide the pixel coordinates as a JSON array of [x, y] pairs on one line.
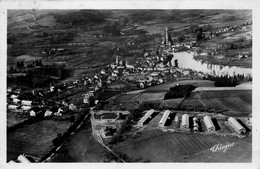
[[194, 124]]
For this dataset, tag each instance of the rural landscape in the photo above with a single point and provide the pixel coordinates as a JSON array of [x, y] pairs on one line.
[[129, 86]]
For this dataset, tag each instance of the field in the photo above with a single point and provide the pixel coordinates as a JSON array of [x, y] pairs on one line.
[[34, 139], [158, 146], [168, 85], [81, 147], [14, 118], [140, 97], [232, 103]]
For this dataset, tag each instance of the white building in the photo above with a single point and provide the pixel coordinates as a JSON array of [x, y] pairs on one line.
[[195, 124], [32, 113], [12, 107], [164, 118], [209, 124], [47, 113], [185, 121], [145, 117], [25, 108], [26, 102], [236, 125], [23, 159], [15, 100]]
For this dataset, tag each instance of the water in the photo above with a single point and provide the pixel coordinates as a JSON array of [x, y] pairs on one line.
[[186, 60]]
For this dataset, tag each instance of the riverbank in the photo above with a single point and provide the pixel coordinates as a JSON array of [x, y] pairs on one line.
[[243, 63]]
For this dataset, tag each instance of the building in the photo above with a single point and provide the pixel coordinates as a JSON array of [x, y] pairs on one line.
[[209, 124], [195, 124], [25, 108], [185, 121], [107, 116], [236, 125], [26, 102], [23, 159], [145, 117], [164, 118], [12, 107]]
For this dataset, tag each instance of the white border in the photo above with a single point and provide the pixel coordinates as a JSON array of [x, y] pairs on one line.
[[135, 4]]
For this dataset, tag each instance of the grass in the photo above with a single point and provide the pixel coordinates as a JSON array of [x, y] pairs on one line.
[[157, 146], [232, 103], [81, 147], [34, 139], [168, 85]]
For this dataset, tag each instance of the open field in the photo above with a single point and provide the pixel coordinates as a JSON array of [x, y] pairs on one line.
[[34, 139], [140, 97], [17, 117], [232, 103], [81, 147], [158, 146], [168, 85]]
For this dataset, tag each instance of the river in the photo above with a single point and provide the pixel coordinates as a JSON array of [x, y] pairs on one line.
[[186, 60]]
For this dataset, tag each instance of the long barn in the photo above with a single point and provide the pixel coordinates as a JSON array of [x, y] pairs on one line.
[[185, 121], [164, 118], [236, 125], [209, 124], [145, 117]]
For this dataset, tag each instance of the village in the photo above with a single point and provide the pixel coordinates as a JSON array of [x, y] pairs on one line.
[[129, 98]]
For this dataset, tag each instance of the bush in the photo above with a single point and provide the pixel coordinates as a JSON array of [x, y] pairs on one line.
[[179, 91]]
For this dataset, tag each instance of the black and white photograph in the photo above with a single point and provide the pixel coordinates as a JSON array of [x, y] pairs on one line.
[[138, 84]]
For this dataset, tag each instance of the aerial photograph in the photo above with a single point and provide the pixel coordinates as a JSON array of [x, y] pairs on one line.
[[129, 86]]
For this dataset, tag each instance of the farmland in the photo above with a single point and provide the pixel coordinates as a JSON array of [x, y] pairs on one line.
[[81, 147], [168, 85], [158, 146], [233, 103], [96, 59], [35, 139]]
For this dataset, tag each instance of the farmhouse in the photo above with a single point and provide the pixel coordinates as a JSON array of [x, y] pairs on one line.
[[164, 118], [236, 125], [209, 124], [145, 117], [185, 121]]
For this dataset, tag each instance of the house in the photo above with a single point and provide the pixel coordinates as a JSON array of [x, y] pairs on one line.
[[236, 125], [164, 118], [25, 108], [13, 96], [72, 107], [145, 117], [16, 101], [26, 102], [23, 159], [47, 113], [9, 89], [12, 107], [209, 124], [185, 121], [32, 113]]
